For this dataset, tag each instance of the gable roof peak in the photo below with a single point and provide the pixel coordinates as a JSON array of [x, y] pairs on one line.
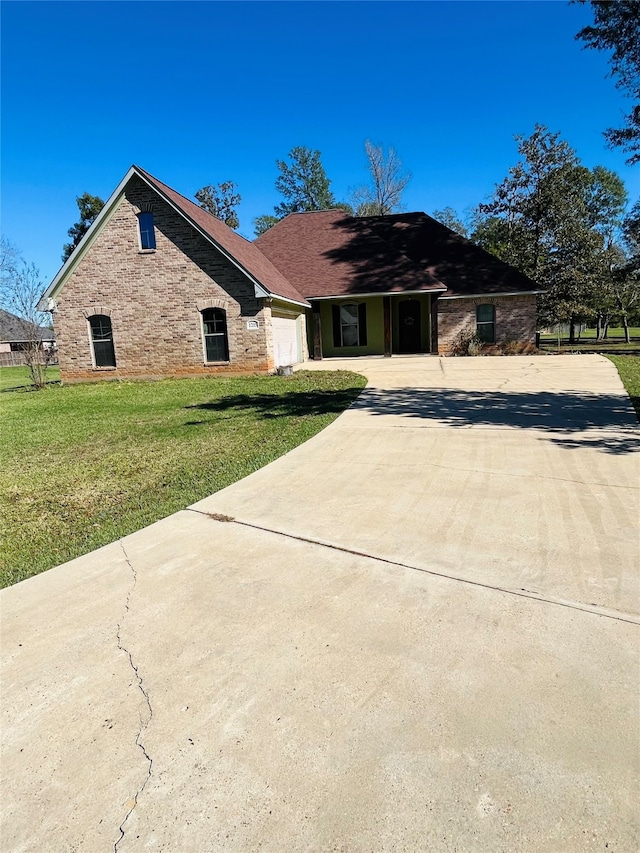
[[268, 281]]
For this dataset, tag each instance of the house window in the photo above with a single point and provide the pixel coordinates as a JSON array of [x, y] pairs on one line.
[[350, 325], [102, 341], [147, 231], [214, 324], [486, 323]]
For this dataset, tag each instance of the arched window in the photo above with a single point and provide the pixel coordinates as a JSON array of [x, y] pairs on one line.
[[147, 231], [486, 323], [214, 327], [102, 341]]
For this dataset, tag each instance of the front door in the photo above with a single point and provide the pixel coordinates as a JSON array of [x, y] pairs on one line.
[[409, 322]]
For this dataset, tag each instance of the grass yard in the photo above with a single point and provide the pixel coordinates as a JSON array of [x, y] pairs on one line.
[[614, 343], [629, 370], [83, 465], [18, 378]]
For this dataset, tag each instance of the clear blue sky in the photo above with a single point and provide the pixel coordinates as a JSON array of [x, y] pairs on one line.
[[201, 92]]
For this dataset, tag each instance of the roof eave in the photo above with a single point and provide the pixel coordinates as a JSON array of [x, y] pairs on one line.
[[488, 294], [378, 293]]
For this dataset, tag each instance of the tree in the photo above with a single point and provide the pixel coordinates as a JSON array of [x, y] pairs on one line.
[[89, 207], [529, 196], [20, 290], [626, 278], [263, 223], [304, 186], [383, 194], [303, 183], [448, 216], [615, 28], [555, 220], [221, 201]]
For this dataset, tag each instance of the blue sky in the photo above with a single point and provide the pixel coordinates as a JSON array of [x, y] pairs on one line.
[[202, 92]]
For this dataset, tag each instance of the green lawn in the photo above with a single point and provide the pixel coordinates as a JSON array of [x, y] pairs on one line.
[[614, 342], [629, 370], [83, 465], [13, 378]]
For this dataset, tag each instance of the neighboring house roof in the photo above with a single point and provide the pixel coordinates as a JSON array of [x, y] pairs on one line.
[[14, 329], [329, 254], [269, 281]]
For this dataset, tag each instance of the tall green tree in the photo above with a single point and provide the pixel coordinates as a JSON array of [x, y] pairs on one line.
[[626, 277], [89, 207], [303, 183], [555, 220], [221, 201], [529, 196], [616, 28]]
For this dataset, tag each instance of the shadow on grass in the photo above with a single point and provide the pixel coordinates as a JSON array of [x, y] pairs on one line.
[[605, 422], [27, 387], [293, 404]]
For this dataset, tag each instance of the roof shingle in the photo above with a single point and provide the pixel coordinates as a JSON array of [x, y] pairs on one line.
[[327, 253]]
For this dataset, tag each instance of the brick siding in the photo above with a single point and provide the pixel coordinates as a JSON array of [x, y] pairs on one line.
[[154, 300], [515, 318]]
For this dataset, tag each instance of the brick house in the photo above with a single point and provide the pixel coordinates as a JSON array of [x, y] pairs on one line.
[[158, 287]]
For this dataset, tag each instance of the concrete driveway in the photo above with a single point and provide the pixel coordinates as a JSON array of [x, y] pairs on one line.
[[418, 631]]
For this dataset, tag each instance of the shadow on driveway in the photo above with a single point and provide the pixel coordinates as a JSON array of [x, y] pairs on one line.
[[576, 414]]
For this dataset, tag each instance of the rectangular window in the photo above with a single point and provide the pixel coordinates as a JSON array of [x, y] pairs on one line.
[[147, 231], [350, 325], [486, 323]]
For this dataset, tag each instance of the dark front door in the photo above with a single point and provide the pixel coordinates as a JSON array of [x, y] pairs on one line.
[[409, 322]]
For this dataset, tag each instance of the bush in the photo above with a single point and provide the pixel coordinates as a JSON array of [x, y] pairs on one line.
[[466, 342]]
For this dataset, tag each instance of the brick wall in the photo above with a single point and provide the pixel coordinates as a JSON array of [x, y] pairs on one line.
[[515, 318], [154, 300]]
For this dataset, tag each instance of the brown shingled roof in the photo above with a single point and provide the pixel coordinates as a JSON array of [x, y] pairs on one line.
[[250, 258], [327, 253], [465, 268]]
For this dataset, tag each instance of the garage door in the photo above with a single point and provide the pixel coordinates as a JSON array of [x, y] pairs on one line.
[[285, 340]]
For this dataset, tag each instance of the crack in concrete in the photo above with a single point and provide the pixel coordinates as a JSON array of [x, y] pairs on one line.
[[143, 722], [522, 592]]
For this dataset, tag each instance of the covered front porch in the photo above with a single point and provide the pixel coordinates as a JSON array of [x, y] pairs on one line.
[[384, 324]]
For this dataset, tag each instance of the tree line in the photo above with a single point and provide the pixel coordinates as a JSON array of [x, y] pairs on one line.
[[568, 228]]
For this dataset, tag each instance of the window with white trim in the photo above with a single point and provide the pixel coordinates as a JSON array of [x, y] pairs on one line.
[[214, 330], [350, 325]]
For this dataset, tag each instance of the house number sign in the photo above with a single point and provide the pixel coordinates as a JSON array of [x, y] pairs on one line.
[[253, 324]]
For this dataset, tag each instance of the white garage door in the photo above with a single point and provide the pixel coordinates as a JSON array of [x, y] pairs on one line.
[[285, 341]]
